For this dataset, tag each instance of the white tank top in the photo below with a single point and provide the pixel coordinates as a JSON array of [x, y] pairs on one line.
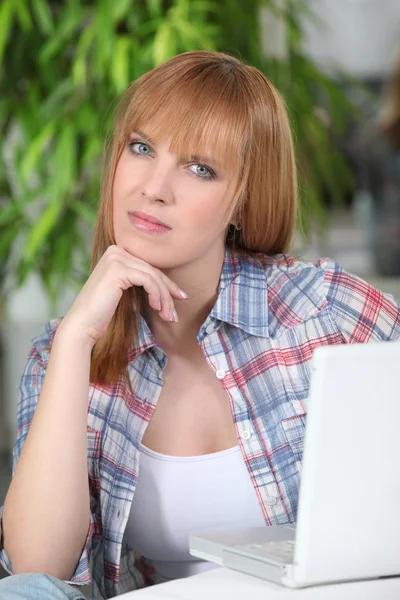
[[178, 495]]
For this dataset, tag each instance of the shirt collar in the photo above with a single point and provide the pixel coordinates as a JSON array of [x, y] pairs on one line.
[[242, 294], [242, 299]]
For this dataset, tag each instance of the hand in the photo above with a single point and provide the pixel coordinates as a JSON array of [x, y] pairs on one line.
[[116, 271]]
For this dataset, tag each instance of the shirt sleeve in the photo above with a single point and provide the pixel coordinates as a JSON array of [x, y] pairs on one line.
[[29, 390], [361, 312]]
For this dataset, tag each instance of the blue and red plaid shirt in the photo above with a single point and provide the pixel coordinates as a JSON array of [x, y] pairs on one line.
[[270, 315]]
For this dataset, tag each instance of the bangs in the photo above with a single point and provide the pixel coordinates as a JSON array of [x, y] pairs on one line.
[[204, 113]]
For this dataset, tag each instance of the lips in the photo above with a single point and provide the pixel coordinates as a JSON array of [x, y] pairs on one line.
[[149, 218]]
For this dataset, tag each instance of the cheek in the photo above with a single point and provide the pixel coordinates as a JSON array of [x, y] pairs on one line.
[[129, 175], [208, 207]]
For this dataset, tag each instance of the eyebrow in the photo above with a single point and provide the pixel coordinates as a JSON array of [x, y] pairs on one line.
[[194, 157]]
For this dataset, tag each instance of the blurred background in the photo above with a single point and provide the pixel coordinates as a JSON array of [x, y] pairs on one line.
[[63, 65]]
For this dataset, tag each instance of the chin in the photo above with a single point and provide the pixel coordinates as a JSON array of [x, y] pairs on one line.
[[158, 257]]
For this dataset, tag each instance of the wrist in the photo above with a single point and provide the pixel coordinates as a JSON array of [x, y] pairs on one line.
[[75, 334]]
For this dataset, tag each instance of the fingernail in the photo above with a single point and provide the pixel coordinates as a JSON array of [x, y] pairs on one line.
[[182, 293], [173, 315]]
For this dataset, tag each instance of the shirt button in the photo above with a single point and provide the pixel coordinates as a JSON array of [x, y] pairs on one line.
[[245, 435], [220, 374], [272, 500]]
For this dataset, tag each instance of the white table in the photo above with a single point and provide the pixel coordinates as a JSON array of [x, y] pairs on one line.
[[226, 584]]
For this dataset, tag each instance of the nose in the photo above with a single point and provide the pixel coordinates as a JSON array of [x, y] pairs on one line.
[[157, 185]]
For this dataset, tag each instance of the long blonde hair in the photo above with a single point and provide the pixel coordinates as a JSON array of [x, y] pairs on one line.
[[202, 99]]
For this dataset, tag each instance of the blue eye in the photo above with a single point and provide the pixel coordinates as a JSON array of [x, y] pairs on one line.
[[203, 172], [141, 146]]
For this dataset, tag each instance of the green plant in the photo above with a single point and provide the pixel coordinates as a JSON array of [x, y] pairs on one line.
[[63, 65]]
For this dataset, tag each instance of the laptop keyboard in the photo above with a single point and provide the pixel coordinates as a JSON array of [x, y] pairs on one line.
[[279, 551]]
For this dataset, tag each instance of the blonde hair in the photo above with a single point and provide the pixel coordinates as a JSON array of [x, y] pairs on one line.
[[389, 116], [200, 100]]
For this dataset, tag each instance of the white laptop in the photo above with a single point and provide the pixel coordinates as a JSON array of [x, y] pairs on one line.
[[348, 521]]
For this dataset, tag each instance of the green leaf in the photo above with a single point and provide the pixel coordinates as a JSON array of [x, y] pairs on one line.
[[86, 121], [7, 238], [83, 210], [36, 149], [6, 17], [204, 6], [147, 27], [120, 64], [164, 45], [23, 16], [41, 230], [86, 40], [121, 8], [92, 150], [62, 254], [183, 7], [70, 23], [23, 269], [64, 160], [141, 58], [79, 71], [43, 16], [54, 104], [105, 36], [9, 213], [191, 33], [154, 7]]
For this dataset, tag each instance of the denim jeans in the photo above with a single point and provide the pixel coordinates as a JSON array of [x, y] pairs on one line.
[[37, 586]]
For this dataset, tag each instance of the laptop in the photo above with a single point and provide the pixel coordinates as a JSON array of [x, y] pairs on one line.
[[348, 519]]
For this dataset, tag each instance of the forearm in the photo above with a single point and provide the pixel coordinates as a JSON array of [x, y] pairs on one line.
[[46, 511]]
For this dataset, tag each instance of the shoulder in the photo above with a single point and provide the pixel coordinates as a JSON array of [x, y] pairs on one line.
[[320, 281], [362, 312], [298, 289], [292, 280]]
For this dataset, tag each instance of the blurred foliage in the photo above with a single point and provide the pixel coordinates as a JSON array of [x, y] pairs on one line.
[[63, 65]]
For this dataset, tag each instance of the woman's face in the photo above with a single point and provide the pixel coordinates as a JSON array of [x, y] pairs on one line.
[[188, 194]]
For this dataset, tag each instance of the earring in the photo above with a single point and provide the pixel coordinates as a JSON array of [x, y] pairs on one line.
[[238, 227]]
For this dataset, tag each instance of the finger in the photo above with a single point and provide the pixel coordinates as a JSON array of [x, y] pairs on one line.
[[159, 296], [174, 289], [167, 287]]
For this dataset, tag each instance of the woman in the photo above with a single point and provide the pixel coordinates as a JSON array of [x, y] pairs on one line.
[[188, 349]]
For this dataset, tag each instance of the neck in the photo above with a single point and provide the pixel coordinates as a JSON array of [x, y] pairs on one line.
[[200, 281]]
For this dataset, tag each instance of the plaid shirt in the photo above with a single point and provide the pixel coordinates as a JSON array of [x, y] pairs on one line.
[[270, 315]]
